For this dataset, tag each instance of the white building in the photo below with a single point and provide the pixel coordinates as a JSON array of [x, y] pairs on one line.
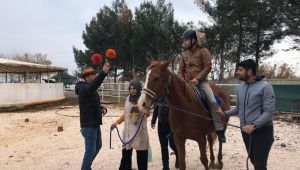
[[23, 84]]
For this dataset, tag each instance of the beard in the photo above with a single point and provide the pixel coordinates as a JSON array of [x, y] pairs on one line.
[[243, 77]]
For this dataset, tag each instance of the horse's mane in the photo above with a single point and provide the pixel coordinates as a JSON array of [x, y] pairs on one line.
[[153, 64], [187, 89]]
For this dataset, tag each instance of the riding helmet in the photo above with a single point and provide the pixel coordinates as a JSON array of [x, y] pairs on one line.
[[189, 33]]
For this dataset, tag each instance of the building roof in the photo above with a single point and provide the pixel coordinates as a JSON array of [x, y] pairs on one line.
[[64, 76], [13, 66]]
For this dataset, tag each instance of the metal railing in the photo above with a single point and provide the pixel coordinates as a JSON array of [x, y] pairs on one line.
[[114, 90], [120, 90]]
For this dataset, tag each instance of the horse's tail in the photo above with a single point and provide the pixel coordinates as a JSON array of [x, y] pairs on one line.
[[221, 93]]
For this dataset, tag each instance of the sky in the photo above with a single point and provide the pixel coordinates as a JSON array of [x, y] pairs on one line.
[[53, 27]]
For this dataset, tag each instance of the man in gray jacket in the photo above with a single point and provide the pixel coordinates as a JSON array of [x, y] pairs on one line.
[[255, 107]]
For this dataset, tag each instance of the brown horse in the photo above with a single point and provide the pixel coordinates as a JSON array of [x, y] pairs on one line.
[[161, 81]]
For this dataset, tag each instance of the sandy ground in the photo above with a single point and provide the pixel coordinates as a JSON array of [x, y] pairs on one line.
[[37, 144]]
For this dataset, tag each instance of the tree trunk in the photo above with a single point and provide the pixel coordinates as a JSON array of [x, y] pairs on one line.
[[257, 46], [222, 62], [115, 75], [240, 43], [221, 76]]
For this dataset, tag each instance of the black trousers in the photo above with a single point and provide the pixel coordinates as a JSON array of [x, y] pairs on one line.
[[261, 143], [163, 132], [142, 159]]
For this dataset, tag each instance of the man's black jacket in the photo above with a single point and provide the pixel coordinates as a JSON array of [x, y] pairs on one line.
[[161, 110], [89, 101]]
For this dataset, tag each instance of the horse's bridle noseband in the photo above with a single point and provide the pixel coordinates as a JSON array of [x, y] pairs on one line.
[[154, 95], [150, 93]]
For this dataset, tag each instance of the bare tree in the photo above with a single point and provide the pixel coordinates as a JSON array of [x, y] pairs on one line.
[[283, 71], [37, 58]]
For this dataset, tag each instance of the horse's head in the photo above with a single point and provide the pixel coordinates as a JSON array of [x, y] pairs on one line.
[[156, 84]]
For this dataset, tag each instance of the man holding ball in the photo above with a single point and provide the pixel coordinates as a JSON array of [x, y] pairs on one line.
[[91, 112]]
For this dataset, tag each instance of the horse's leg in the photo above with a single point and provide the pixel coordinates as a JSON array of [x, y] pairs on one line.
[[180, 145], [211, 150], [220, 156], [203, 155]]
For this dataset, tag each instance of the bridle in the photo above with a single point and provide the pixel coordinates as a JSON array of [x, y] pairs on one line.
[[150, 93]]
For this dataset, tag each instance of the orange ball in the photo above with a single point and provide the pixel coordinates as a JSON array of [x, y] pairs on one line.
[[111, 53]]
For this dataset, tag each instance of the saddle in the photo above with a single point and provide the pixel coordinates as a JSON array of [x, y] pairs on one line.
[[202, 98]]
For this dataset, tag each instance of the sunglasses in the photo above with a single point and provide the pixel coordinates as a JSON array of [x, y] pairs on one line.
[[89, 73]]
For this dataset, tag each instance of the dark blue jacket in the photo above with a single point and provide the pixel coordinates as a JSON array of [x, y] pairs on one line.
[[89, 101]]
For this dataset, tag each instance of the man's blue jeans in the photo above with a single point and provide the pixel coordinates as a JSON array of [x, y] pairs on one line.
[[93, 144]]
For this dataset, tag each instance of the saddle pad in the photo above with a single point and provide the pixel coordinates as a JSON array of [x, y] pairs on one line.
[[202, 98]]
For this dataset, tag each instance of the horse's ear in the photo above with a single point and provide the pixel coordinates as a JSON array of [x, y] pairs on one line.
[[165, 64], [149, 56], [153, 60]]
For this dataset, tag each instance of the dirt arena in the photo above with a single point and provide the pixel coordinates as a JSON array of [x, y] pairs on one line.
[[36, 145]]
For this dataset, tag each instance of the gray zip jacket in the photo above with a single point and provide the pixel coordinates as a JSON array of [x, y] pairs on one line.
[[255, 103]]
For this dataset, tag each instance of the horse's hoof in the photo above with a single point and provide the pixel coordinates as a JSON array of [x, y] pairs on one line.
[[212, 165], [219, 165]]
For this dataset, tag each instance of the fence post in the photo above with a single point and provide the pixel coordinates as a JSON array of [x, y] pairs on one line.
[[119, 92], [102, 93]]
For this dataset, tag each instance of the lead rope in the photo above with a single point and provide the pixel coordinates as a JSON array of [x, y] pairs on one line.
[[118, 132]]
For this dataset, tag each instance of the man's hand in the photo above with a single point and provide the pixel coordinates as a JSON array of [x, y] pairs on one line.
[[248, 129], [194, 81], [147, 114], [153, 126], [106, 68], [113, 126], [104, 111], [220, 112]]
